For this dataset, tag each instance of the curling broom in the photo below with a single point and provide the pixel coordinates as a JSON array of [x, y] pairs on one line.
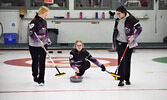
[[59, 74]]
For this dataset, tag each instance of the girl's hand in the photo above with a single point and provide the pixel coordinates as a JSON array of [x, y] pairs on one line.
[[130, 39], [77, 71], [42, 45]]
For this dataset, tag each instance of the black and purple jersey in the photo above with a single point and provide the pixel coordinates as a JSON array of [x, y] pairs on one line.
[[132, 29], [38, 26], [77, 58]]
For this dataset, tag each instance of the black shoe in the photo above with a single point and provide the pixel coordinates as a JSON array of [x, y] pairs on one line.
[[121, 83], [35, 79], [128, 83], [41, 82]]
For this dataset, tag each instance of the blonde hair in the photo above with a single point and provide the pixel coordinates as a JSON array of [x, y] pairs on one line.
[[42, 10], [75, 45]]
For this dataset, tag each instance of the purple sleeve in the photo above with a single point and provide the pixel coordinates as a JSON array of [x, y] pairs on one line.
[[48, 38], [32, 29], [71, 60], [138, 30], [47, 34], [94, 60]]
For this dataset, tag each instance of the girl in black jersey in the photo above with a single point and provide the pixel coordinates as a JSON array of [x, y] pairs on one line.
[[80, 57]]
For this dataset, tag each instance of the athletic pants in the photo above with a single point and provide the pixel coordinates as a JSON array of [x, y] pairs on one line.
[[124, 68], [85, 65], [38, 56]]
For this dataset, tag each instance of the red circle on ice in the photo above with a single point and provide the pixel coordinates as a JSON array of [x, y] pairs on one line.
[[61, 62]]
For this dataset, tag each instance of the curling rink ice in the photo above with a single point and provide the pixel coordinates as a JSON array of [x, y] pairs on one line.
[[148, 78]]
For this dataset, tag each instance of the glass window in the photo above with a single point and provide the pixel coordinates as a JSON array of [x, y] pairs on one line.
[[163, 4], [93, 3], [54, 3], [12, 3], [135, 3]]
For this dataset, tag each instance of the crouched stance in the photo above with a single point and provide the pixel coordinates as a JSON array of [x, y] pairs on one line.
[[80, 57]]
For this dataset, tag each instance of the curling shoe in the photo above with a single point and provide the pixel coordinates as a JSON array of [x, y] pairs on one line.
[[128, 83], [41, 83], [35, 79], [121, 83], [76, 75]]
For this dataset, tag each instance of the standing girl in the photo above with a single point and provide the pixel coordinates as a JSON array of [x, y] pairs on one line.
[[127, 29], [37, 33]]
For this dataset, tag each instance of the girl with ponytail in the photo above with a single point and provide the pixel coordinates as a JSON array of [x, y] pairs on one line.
[[127, 29], [38, 30]]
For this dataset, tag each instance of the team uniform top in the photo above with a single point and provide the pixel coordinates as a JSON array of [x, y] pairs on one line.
[[77, 58], [38, 26], [130, 28]]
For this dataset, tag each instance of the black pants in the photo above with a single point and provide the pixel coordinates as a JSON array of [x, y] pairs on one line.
[[124, 68], [85, 65], [38, 56]]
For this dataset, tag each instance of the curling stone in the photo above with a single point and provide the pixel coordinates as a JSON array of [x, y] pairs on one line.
[[59, 51], [76, 79], [50, 51], [111, 50]]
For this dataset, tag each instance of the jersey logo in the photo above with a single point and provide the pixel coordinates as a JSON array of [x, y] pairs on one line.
[[71, 56], [31, 25]]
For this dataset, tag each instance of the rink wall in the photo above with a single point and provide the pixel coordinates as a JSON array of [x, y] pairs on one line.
[[83, 29]]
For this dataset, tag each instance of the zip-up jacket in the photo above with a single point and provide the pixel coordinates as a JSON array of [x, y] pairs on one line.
[[132, 29]]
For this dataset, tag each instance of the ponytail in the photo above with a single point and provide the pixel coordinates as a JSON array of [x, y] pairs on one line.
[[35, 15], [129, 13], [122, 9], [41, 10], [132, 17]]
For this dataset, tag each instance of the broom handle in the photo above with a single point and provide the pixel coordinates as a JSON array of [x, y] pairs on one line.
[[48, 54], [122, 58], [108, 71], [123, 53], [45, 50], [51, 60]]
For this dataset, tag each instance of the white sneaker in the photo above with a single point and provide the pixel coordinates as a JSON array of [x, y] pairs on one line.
[[41, 84]]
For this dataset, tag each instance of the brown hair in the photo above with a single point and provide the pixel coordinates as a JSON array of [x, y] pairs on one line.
[[77, 42], [122, 9]]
